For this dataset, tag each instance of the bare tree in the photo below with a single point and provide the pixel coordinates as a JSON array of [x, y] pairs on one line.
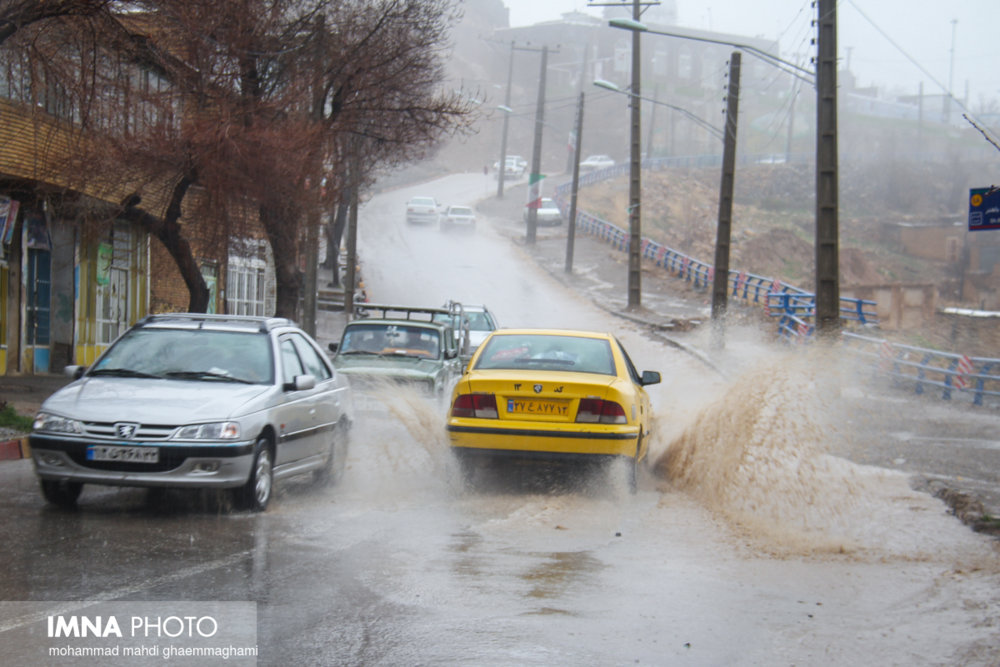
[[260, 98]]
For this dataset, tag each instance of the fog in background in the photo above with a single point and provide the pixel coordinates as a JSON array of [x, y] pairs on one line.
[[891, 44]]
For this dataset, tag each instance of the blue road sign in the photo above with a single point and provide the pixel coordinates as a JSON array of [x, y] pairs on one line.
[[984, 208]]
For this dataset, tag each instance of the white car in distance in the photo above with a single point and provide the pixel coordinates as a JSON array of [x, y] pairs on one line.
[[595, 162], [458, 217]]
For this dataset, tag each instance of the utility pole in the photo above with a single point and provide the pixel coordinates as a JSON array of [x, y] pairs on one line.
[[350, 276], [502, 164], [827, 197], [314, 191], [535, 178], [571, 228], [635, 166], [720, 280]]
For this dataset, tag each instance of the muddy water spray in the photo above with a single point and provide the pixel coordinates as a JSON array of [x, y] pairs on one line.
[[757, 455]]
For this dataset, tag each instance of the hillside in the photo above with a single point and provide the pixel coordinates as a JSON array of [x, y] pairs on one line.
[[773, 222]]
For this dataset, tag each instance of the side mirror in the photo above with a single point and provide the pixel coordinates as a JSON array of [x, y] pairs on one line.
[[649, 377], [301, 383], [74, 372], [333, 346]]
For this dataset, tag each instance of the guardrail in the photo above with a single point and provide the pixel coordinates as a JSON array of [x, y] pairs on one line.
[[921, 370], [794, 306]]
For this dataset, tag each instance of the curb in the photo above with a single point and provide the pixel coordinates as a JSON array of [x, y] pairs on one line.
[[12, 450]]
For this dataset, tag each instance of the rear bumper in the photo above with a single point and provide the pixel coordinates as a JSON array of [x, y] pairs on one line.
[[546, 441]]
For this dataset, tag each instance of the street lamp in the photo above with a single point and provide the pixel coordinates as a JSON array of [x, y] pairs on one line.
[[797, 71], [635, 166], [718, 132], [824, 79], [505, 107]]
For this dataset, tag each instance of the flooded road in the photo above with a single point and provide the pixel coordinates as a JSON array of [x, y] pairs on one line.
[[747, 543]]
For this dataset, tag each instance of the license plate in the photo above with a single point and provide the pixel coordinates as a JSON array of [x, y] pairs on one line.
[[529, 406], [124, 454]]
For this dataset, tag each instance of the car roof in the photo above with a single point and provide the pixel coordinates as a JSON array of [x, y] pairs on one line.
[[393, 321], [394, 314], [559, 333], [250, 323]]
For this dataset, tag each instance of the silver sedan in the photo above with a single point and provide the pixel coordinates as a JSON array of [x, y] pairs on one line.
[[196, 401]]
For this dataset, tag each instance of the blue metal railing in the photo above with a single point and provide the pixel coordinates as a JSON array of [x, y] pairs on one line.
[[923, 370], [794, 306], [919, 369]]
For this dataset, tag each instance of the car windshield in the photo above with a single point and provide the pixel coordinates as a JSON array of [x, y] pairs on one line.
[[460, 210], [422, 201], [548, 353], [398, 340], [479, 321], [548, 203], [190, 354]]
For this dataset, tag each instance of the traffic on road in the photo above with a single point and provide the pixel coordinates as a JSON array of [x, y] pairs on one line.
[[740, 532]]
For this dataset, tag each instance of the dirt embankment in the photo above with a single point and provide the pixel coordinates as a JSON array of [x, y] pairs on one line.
[[773, 223]]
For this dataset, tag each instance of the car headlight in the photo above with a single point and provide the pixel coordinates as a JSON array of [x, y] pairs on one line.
[[55, 424], [212, 431]]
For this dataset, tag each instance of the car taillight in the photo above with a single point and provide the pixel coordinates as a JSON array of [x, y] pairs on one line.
[[483, 406], [594, 410]]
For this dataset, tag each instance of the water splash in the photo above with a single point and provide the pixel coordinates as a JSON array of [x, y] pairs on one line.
[[758, 456]]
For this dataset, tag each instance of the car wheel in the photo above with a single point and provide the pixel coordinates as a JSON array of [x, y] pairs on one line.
[[256, 493], [336, 459], [61, 493]]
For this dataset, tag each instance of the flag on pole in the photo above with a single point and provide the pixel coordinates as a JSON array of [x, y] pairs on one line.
[[535, 190]]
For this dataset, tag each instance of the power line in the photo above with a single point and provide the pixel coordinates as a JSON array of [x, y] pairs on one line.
[[924, 71]]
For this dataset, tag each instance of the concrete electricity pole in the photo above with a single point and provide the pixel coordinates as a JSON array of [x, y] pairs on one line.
[[535, 178], [827, 196], [634, 183], [502, 164], [571, 224], [720, 280]]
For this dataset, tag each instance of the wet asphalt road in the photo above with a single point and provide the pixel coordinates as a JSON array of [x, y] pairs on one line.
[[398, 565]]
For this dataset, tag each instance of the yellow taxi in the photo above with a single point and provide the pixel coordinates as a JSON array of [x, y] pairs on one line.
[[551, 395]]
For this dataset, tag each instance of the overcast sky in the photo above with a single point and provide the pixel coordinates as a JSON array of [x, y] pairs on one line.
[[888, 49]]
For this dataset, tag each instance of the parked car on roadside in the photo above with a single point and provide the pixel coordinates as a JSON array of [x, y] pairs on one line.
[[514, 166], [597, 162], [458, 217], [548, 213], [424, 210], [195, 401]]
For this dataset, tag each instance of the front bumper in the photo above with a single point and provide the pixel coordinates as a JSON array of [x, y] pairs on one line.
[[179, 465]]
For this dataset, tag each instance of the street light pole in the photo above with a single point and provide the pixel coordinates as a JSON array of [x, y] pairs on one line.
[[635, 166], [502, 164], [535, 178], [571, 225]]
